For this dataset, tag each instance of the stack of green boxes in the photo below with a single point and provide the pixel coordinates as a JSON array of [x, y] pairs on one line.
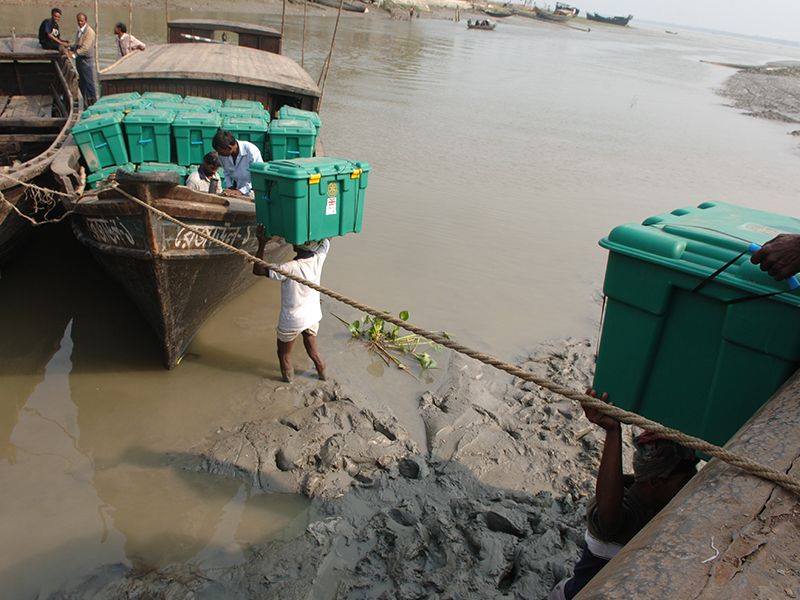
[[163, 131]]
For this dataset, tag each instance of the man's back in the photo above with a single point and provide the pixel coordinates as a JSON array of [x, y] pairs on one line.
[[300, 305]]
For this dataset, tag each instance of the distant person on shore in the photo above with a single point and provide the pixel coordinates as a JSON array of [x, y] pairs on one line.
[[236, 157], [624, 504], [206, 178], [780, 257], [301, 311], [83, 50], [50, 32], [126, 43]]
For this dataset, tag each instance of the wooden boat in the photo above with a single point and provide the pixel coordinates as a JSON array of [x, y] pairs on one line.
[[484, 24], [494, 11], [39, 103], [549, 15], [610, 20], [566, 9], [348, 6], [176, 279]]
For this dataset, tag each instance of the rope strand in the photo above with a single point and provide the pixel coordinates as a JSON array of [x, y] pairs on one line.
[[784, 480]]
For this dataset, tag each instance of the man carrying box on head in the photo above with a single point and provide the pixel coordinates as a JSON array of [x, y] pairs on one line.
[[236, 157], [301, 312]]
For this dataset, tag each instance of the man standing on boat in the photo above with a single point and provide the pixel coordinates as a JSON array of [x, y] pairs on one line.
[[50, 32], [236, 157], [126, 43], [301, 311], [624, 504], [84, 59], [205, 178]]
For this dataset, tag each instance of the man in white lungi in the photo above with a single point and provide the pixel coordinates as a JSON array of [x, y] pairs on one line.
[[301, 311]]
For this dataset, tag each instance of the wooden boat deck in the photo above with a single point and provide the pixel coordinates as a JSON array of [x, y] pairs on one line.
[[214, 63], [753, 525], [24, 47], [216, 25]]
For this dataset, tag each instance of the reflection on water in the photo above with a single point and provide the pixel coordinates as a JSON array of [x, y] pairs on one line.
[[89, 422], [498, 162]]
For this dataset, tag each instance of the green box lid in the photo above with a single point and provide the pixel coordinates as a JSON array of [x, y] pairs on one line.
[[121, 106], [121, 97], [200, 101], [303, 168], [163, 96], [108, 171], [197, 119], [292, 126], [290, 112], [247, 104], [245, 123], [241, 111], [701, 240], [150, 115], [96, 121], [154, 167], [178, 106]]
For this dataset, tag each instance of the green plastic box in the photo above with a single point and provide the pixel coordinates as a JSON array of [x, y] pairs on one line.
[[95, 179], [163, 97], [208, 103], [158, 167], [119, 106], [149, 135], [192, 133], [249, 129], [100, 140], [121, 97], [310, 199], [178, 107], [291, 138], [252, 105], [688, 357], [290, 112], [244, 112]]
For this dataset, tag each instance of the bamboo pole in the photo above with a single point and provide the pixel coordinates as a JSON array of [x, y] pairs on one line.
[[130, 17], [303, 47], [283, 21], [97, 36], [166, 17], [326, 67]]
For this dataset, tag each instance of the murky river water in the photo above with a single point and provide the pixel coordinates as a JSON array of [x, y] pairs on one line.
[[499, 161]]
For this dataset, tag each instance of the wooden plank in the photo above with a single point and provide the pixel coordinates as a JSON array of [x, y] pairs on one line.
[[754, 525], [27, 107], [3, 103], [24, 48], [9, 138], [33, 122], [216, 25]]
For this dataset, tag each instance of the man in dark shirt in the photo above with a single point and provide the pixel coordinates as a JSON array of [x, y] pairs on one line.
[[624, 504], [50, 32]]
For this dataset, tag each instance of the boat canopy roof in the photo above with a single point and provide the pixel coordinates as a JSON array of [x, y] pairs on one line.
[[217, 25], [214, 62], [24, 47]]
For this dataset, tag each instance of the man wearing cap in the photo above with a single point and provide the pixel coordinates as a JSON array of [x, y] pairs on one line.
[[624, 504], [301, 311]]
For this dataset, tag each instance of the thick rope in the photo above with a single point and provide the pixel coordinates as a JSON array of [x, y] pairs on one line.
[[586, 401], [39, 193]]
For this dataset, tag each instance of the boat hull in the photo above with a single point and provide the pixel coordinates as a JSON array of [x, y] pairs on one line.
[[550, 16], [621, 21], [176, 278]]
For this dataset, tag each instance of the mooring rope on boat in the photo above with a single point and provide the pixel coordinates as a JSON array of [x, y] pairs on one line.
[[40, 196], [782, 479]]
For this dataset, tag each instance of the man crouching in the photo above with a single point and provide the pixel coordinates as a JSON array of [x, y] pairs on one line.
[[301, 311]]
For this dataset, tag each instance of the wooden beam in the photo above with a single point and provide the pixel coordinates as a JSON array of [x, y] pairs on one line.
[[34, 123], [26, 137]]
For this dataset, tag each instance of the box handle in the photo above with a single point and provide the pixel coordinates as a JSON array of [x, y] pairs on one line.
[[196, 142], [101, 145], [145, 142]]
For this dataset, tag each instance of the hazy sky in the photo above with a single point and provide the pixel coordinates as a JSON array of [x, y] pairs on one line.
[[768, 18]]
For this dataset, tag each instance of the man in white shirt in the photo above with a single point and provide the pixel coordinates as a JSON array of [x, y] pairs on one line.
[[126, 43], [205, 178], [301, 311], [236, 157]]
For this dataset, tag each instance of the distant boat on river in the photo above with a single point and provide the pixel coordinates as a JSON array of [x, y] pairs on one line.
[[481, 24], [499, 12], [557, 15], [610, 20]]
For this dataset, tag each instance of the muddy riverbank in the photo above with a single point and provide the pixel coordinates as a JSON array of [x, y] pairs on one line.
[[771, 91], [494, 506]]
